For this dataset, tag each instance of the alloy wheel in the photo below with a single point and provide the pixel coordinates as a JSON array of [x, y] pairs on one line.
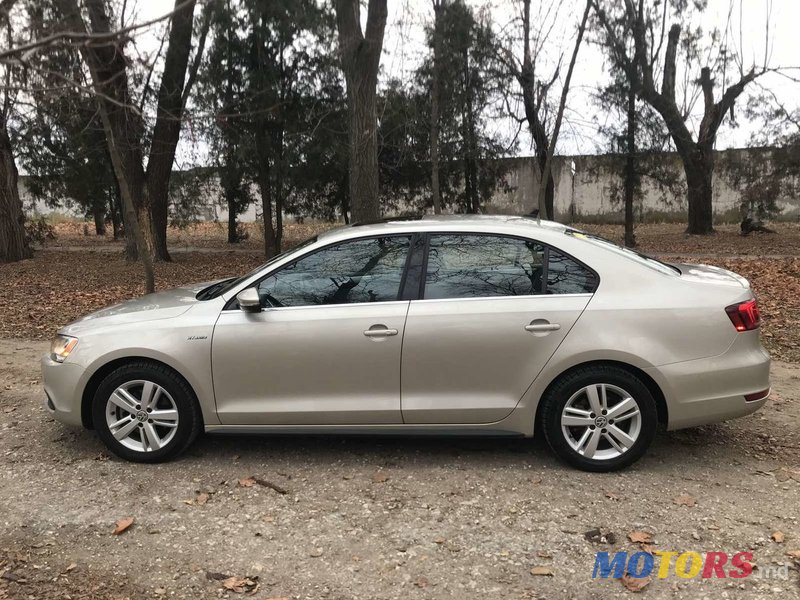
[[601, 421], [142, 415]]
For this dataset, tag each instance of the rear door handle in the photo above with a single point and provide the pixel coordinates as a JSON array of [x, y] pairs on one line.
[[380, 331], [543, 327]]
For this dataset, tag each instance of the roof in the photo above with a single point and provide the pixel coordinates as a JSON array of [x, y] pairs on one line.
[[446, 223]]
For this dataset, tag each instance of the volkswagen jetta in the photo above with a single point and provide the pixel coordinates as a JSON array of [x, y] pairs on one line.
[[441, 325]]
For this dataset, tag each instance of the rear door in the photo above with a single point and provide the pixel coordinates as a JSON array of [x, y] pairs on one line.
[[492, 312]]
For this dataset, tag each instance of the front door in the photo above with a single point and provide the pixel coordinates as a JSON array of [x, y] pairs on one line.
[[493, 312], [325, 349]]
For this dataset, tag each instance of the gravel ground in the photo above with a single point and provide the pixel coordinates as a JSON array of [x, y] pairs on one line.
[[382, 518]]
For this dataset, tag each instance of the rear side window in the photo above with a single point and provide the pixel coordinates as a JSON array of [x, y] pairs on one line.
[[481, 266], [567, 276]]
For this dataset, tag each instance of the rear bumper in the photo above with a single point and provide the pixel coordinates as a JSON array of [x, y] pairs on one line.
[[711, 390], [61, 386]]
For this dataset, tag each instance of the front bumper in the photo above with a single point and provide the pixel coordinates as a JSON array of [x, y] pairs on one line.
[[710, 390], [63, 390]]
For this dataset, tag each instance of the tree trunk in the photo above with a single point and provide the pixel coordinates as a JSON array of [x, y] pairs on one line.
[[113, 204], [99, 215], [547, 207], [699, 170], [233, 235], [13, 242], [360, 57], [264, 180], [168, 125], [630, 184], [438, 10]]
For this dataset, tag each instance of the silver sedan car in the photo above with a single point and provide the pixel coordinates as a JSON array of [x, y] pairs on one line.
[[487, 325]]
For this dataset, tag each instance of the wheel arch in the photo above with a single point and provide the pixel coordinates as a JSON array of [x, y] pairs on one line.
[[90, 389], [647, 380]]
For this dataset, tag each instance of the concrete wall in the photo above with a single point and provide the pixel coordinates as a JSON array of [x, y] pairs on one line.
[[587, 187]]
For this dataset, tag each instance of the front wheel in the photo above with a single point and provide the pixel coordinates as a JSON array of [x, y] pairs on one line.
[[599, 418], [145, 412]]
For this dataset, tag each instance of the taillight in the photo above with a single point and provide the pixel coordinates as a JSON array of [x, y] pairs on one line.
[[744, 315]]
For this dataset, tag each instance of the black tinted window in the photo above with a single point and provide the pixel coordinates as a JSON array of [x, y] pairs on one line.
[[474, 266], [368, 270], [566, 276]]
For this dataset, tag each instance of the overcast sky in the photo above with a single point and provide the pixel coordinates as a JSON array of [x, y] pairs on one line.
[[746, 27]]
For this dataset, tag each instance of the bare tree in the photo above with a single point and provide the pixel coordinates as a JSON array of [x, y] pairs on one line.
[[638, 57], [439, 6], [167, 129], [122, 127], [360, 56], [535, 93], [543, 209]]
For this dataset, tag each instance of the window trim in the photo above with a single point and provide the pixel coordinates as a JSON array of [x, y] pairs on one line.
[[546, 247], [233, 304]]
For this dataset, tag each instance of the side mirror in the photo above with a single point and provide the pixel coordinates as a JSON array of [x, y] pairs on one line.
[[249, 301]]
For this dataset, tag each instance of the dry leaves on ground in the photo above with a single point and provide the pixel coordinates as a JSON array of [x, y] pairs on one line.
[[778, 537], [635, 584], [123, 525], [640, 537], [241, 585], [684, 500], [380, 477], [198, 500], [542, 571]]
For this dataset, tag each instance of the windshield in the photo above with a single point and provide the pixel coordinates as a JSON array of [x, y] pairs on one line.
[[648, 261], [221, 287]]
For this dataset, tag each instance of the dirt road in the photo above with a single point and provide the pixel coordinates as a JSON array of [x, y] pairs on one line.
[[383, 518]]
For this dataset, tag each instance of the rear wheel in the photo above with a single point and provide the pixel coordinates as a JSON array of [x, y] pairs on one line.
[[599, 418], [145, 412]]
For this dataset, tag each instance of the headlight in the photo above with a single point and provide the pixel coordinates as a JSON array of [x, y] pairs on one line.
[[61, 346]]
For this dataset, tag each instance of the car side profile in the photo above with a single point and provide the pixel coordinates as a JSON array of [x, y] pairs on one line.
[[488, 325]]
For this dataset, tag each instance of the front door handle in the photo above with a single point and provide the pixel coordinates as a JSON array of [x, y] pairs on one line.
[[380, 331], [538, 326]]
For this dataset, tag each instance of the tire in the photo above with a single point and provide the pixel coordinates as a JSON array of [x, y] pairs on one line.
[[146, 432], [593, 441]]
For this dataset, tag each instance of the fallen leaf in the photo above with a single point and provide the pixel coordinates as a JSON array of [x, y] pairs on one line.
[[241, 585], [635, 584], [640, 537], [684, 500], [794, 554], [122, 526], [647, 548], [439, 540], [247, 482], [214, 576], [542, 554], [777, 537], [198, 500], [379, 477], [71, 567], [612, 496], [542, 571]]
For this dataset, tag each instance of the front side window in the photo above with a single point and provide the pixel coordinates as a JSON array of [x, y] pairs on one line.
[[481, 266], [478, 266], [366, 270]]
